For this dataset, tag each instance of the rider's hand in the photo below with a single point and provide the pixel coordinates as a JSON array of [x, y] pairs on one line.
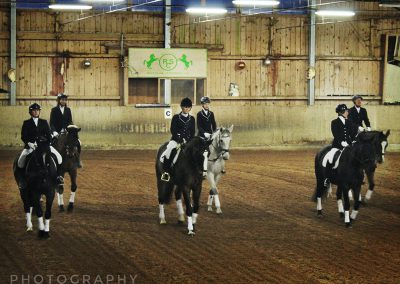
[[368, 128], [360, 129], [32, 145], [344, 144], [207, 135], [55, 134]]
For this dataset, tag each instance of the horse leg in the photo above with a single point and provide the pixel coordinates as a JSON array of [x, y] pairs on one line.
[[74, 186], [39, 213], [339, 195], [319, 192], [357, 202], [371, 185], [179, 207], [211, 197], [161, 214], [60, 196], [47, 215], [346, 198], [196, 203], [186, 195], [27, 208], [216, 194]]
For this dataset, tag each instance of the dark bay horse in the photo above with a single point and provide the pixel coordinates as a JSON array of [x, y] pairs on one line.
[[186, 178], [67, 145], [36, 179], [362, 155]]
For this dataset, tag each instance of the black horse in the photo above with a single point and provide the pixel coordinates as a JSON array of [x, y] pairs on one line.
[[67, 145], [36, 179], [362, 156], [186, 178]]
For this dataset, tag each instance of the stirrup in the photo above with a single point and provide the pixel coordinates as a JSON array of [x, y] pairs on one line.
[[165, 176]]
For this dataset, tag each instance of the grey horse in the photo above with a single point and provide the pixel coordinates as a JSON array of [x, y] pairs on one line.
[[219, 153]]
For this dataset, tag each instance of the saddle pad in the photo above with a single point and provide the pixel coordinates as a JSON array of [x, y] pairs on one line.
[[329, 158]]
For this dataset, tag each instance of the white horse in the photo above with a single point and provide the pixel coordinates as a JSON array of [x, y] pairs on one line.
[[219, 152]]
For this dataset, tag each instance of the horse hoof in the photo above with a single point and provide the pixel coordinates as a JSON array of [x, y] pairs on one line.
[[61, 208], [341, 215], [41, 234], [219, 211], [70, 207], [191, 233], [46, 235], [29, 229], [210, 209], [162, 222], [348, 225], [319, 213]]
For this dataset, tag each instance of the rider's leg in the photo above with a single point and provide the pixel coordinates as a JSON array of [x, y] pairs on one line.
[[79, 152], [166, 159], [22, 157], [60, 179]]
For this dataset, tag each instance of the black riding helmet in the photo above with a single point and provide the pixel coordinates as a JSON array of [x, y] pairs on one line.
[[356, 97], [186, 102], [62, 96], [341, 108], [205, 100], [34, 106]]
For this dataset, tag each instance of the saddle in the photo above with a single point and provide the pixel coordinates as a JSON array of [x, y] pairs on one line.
[[332, 158], [169, 163]]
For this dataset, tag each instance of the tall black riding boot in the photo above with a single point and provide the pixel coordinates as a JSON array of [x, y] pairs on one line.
[[165, 176]]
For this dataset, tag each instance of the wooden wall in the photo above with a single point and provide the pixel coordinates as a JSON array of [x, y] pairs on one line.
[[348, 54]]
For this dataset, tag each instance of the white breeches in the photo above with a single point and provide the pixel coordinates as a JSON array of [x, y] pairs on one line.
[[167, 153], [26, 152]]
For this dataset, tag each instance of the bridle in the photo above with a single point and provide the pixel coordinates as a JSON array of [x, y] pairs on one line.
[[218, 148]]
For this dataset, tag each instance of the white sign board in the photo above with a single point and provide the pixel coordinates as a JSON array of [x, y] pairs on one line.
[[167, 63]]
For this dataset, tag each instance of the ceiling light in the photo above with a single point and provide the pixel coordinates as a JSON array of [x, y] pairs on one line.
[[335, 13], [204, 10], [255, 3], [388, 5], [69, 7]]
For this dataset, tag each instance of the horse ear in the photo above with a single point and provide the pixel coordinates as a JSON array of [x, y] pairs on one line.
[[230, 128], [387, 133]]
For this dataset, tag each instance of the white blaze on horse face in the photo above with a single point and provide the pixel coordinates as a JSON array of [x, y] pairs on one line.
[[319, 203]]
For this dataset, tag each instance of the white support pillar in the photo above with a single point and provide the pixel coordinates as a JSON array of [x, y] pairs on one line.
[[13, 49], [167, 44], [311, 58]]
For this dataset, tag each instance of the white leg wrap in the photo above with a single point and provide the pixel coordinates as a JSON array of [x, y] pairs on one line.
[[72, 197], [194, 218], [210, 200], [368, 195], [41, 224], [28, 217], [60, 199], [162, 213], [340, 206], [205, 162], [346, 216], [179, 206], [319, 204], [47, 225], [190, 223], [354, 214], [58, 156], [350, 195], [359, 197], [217, 202]]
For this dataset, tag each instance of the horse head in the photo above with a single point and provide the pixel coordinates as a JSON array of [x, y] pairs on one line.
[[43, 145], [72, 141], [195, 150], [379, 140]]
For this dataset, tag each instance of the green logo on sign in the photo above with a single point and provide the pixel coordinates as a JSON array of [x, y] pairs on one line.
[[168, 62]]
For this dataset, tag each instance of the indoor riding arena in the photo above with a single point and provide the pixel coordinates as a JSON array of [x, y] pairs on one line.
[[200, 141]]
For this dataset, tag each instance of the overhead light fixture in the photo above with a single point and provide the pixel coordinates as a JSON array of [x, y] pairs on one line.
[[334, 13], [69, 7], [205, 10], [255, 3], [86, 63], [388, 5]]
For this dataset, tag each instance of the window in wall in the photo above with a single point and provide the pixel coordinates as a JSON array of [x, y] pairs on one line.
[[143, 91]]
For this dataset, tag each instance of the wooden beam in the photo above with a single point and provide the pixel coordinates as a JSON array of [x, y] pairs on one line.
[[50, 98], [211, 47], [70, 54], [82, 36]]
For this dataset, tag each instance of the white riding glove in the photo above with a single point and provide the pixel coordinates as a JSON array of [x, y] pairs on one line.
[[55, 134], [344, 144], [368, 128], [32, 145], [207, 135], [360, 129]]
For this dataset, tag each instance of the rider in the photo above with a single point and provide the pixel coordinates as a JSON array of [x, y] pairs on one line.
[[344, 132], [182, 130], [60, 118], [31, 129], [358, 114]]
